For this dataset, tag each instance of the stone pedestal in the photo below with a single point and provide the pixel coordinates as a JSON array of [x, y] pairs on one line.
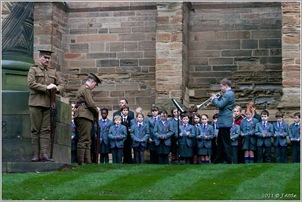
[[16, 135]]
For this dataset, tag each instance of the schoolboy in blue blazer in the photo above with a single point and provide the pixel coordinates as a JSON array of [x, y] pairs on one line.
[[264, 132], [294, 135], [117, 136], [163, 132], [151, 122], [140, 135], [281, 131], [105, 125]]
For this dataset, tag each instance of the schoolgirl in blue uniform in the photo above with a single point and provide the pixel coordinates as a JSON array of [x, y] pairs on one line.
[[176, 122], [234, 133], [185, 139], [204, 140], [249, 141]]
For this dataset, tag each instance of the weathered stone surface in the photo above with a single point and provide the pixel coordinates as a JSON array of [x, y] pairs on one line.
[[157, 44]]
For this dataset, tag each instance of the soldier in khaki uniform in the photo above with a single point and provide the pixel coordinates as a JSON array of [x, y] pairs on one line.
[[41, 79], [86, 113]]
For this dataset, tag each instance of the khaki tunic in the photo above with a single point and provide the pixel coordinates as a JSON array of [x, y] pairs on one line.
[[84, 116], [38, 79], [88, 108]]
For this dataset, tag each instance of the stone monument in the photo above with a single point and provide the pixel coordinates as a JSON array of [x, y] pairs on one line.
[[17, 58]]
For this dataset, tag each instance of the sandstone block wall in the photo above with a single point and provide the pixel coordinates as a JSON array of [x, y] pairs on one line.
[[116, 41], [241, 41], [150, 52]]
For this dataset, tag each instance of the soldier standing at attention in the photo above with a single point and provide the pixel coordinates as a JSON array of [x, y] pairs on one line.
[[85, 114], [41, 79]]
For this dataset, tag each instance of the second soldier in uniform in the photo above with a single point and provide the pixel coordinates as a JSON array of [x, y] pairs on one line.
[[85, 114]]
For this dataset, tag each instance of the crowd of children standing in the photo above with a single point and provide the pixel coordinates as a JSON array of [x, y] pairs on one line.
[[192, 138]]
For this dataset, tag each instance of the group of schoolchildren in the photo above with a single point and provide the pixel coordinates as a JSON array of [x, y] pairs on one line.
[[256, 136], [191, 138]]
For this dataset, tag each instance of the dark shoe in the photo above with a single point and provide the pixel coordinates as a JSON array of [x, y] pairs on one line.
[[35, 158], [44, 157], [81, 164]]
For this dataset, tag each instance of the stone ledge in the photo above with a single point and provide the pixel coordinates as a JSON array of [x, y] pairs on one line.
[[25, 167]]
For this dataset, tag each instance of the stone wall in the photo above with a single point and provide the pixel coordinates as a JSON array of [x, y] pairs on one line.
[[169, 53], [151, 52], [291, 99], [117, 42], [241, 41], [50, 28]]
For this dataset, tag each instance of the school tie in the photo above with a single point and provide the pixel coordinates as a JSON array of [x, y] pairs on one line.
[[124, 119], [204, 126], [278, 125], [263, 123], [139, 125], [155, 118]]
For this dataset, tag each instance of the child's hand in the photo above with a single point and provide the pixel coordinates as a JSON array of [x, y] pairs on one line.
[[188, 133], [150, 140], [180, 134], [263, 135]]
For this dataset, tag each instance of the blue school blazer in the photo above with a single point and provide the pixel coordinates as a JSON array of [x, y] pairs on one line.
[[280, 134], [266, 129], [104, 132], [205, 132], [234, 134], [294, 132], [189, 140], [139, 134], [117, 136], [163, 130], [225, 104]]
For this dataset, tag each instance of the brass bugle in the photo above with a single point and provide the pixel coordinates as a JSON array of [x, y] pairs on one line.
[[206, 103]]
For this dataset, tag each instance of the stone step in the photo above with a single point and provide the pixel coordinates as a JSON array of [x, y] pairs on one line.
[[25, 167]]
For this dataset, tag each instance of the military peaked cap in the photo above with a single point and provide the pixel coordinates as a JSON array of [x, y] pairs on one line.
[[45, 53], [94, 77]]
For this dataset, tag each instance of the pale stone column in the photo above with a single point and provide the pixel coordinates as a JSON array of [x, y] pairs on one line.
[[169, 53], [290, 101]]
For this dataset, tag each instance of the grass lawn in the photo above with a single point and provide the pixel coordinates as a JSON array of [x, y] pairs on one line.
[[158, 182]]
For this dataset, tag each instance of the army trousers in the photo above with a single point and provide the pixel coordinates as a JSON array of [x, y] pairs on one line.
[[84, 126], [40, 129]]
